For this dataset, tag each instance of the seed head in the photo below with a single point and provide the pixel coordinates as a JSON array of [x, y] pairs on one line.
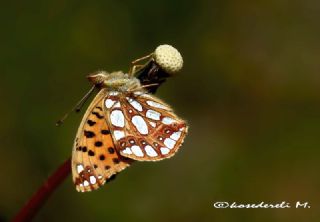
[[168, 58]]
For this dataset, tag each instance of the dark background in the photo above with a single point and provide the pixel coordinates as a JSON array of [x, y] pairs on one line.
[[249, 90]]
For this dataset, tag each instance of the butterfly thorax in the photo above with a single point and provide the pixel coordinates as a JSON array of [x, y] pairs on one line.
[[115, 81]]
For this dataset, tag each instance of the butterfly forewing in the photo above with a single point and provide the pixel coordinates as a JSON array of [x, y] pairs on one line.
[[94, 157], [143, 127]]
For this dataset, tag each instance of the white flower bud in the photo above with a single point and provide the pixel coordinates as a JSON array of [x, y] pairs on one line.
[[168, 58]]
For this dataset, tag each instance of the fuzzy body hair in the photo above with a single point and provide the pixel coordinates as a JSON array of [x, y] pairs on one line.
[[114, 81]]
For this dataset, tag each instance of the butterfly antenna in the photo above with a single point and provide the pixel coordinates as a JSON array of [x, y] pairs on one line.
[[77, 108]]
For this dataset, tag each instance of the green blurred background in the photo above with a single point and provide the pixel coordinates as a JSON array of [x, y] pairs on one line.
[[249, 90]]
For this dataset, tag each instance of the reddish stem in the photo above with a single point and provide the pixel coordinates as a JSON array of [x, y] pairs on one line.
[[43, 193]]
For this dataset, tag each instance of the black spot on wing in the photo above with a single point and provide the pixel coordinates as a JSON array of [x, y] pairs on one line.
[[89, 134], [90, 122], [105, 132], [98, 143], [116, 160], [97, 115], [102, 157], [111, 150], [91, 153]]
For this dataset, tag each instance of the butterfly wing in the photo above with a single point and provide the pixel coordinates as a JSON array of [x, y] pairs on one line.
[[94, 157], [143, 127]]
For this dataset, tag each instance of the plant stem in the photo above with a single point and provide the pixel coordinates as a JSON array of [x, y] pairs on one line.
[[48, 187]]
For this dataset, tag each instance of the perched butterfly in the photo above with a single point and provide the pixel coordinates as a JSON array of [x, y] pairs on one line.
[[125, 123]]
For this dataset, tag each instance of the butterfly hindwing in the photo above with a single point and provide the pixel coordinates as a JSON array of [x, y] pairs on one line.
[[94, 157], [143, 127]]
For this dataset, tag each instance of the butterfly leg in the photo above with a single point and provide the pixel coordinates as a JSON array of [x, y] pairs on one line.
[[131, 90], [135, 66], [134, 69]]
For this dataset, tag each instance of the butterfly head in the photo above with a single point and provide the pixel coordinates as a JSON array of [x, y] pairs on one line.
[[118, 80]]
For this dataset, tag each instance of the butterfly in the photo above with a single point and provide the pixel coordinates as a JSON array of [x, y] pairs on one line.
[[123, 124]]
